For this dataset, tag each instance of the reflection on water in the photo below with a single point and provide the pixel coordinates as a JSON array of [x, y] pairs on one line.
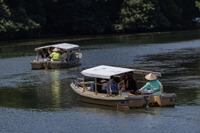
[[42, 100], [55, 86]]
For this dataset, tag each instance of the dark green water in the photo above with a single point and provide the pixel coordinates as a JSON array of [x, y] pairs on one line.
[[42, 101]]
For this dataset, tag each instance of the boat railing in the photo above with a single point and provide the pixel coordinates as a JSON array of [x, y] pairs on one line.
[[141, 81], [79, 84]]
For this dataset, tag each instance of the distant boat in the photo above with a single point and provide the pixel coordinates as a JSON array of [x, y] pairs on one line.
[[123, 100], [45, 63]]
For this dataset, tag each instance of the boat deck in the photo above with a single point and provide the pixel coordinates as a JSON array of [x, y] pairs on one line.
[[124, 96], [163, 100]]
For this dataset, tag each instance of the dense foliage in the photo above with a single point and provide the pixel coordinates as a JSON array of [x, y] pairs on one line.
[[33, 18], [197, 4]]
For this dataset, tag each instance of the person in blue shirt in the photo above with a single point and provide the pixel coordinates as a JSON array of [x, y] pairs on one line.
[[92, 86], [72, 55], [112, 86], [153, 84]]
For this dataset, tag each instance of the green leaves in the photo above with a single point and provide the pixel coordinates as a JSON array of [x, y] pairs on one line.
[[197, 3], [15, 22], [29, 18], [134, 15], [4, 10]]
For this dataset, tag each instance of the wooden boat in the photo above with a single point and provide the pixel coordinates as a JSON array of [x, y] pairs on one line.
[[123, 100], [44, 63]]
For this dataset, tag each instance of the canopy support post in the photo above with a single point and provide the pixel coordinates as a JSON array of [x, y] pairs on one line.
[[83, 83], [143, 77], [79, 53], [37, 56], [95, 86]]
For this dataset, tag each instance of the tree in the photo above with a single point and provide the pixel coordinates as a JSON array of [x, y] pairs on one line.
[[81, 16], [135, 15], [197, 3], [15, 22], [29, 18], [172, 10], [6, 25]]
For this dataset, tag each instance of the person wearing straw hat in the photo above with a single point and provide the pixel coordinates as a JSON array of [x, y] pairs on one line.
[[55, 55], [153, 85]]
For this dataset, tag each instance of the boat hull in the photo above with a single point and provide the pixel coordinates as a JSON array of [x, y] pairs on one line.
[[138, 101], [53, 65], [163, 100], [115, 101]]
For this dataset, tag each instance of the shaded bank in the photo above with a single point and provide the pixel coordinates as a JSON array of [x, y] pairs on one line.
[[33, 19], [139, 38]]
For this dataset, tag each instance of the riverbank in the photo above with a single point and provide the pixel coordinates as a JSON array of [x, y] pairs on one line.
[[74, 39]]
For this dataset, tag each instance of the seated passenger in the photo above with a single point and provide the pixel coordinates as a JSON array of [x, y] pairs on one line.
[[121, 83], [112, 86], [153, 85], [68, 56], [55, 55], [44, 53], [64, 55], [72, 55], [50, 50], [131, 83], [104, 86], [92, 87]]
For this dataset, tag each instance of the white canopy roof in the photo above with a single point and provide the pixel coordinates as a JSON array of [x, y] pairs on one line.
[[106, 72], [65, 46]]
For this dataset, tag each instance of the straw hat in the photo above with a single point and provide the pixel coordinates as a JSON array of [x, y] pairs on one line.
[[150, 76], [56, 49]]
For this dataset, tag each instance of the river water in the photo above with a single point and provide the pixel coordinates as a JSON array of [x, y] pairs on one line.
[[42, 100]]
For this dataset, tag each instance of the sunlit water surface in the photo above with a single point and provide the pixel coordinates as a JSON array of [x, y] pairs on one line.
[[42, 100]]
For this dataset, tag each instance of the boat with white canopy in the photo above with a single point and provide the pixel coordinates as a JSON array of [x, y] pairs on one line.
[[44, 62], [123, 99]]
